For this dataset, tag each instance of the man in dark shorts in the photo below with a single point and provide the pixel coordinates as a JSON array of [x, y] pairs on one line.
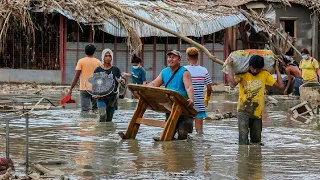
[[294, 75], [177, 78], [85, 68]]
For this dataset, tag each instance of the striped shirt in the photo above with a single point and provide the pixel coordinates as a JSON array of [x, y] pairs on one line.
[[200, 78]]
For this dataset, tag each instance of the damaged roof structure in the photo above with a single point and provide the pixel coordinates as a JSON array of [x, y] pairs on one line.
[[50, 34], [196, 18], [178, 18], [286, 2]]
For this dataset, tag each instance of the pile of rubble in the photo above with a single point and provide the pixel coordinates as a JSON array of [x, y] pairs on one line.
[[36, 171], [222, 88], [32, 88], [217, 115]]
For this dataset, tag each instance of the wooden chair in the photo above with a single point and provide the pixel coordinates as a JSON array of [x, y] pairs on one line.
[[160, 100]]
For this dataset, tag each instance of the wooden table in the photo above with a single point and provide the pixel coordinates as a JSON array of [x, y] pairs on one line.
[[159, 100]]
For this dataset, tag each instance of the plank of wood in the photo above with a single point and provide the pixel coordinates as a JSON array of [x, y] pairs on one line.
[[41, 169], [170, 127], [150, 122], [307, 112], [299, 105]]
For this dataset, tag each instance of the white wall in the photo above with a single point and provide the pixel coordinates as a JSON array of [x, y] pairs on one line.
[[30, 75]]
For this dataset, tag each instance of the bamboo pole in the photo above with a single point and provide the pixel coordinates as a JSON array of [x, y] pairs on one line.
[[282, 36], [188, 40]]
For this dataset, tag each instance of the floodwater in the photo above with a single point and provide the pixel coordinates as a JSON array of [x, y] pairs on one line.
[[93, 150]]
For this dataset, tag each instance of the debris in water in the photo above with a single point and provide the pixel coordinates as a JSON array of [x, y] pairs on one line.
[[218, 115], [302, 112], [7, 175], [3, 164]]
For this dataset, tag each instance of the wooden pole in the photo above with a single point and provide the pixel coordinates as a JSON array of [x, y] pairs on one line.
[[188, 40], [315, 32], [284, 38], [7, 143]]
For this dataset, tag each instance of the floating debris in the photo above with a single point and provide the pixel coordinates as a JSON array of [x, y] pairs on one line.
[[217, 115], [302, 112]]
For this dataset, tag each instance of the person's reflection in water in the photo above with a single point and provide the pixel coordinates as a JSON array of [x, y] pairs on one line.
[[92, 153], [178, 156], [135, 159], [173, 156], [104, 154], [249, 162], [88, 115], [85, 149]]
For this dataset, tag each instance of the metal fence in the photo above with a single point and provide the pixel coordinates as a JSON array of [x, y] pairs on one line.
[[38, 50], [14, 114]]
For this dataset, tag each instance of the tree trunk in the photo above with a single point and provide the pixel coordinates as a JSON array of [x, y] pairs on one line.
[[188, 40]]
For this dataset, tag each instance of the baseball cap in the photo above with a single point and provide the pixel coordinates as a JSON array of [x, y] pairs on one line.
[[175, 52]]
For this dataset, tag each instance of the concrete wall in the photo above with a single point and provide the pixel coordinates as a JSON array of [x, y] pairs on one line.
[[28, 75], [303, 24]]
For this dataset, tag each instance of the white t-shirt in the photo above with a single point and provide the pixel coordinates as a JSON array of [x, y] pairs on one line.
[[200, 78]]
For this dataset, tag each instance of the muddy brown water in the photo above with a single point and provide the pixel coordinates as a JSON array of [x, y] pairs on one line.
[[93, 150]]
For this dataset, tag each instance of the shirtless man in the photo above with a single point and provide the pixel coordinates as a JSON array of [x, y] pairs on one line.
[[294, 75]]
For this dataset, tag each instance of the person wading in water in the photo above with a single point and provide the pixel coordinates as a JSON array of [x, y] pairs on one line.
[[251, 97], [200, 80]]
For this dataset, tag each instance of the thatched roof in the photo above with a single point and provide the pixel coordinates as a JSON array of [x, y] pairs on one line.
[[242, 2], [179, 18], [190, 18]]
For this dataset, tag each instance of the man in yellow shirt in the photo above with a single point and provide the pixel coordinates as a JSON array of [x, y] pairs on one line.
[[309, 67], [251, 97], [85, 68]]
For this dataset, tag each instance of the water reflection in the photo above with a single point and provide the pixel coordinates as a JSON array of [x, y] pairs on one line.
[[91, 159], [93, 150], [174, 156], [249, 159]]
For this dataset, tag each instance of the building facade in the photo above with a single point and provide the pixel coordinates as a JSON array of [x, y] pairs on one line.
[[59, 42]]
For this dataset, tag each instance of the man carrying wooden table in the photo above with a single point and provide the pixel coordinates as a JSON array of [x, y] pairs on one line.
[[176, 77]]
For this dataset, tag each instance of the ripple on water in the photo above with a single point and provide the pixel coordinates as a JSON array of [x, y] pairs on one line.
[[94, 150]]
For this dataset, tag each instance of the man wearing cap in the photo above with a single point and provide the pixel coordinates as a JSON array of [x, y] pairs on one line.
[[177, 78], [294, 75], [85, 68], [200, 79]]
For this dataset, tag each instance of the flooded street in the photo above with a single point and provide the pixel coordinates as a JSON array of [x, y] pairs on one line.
[[93, 150]]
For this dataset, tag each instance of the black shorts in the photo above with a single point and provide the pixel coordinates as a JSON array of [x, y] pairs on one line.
[[185, 123]]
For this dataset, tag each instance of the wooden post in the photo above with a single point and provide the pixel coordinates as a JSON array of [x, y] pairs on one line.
[[7, 143], [170, 127], [315, 32]]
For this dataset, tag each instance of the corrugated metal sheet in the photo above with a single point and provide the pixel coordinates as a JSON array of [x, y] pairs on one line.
[[181, 20], [186, 27]]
